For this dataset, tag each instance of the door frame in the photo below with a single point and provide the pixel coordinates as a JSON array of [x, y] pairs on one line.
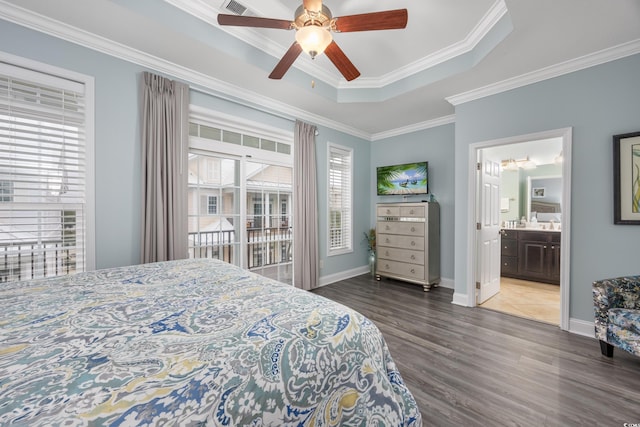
[[566, 134]]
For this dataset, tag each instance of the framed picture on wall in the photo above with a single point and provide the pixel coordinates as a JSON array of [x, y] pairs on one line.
[[537, 192], [626, 178]]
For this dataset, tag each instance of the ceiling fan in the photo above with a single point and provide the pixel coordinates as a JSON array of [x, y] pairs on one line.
[[314, 23]]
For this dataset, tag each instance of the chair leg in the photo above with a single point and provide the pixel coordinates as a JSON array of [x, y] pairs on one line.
[[606, 348]]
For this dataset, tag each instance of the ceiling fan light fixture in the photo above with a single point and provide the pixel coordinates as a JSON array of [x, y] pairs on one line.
[[313, 39]]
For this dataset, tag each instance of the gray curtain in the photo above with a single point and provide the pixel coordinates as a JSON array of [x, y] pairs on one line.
[[165, 133], [305, 212]]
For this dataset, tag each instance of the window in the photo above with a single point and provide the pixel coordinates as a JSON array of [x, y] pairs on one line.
[[6, 191], [284, 219], [43, 173], [340, 200], [212, 205]]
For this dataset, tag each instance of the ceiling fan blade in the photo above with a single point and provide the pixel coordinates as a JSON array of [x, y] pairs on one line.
[[312, 5], [388, 20], [286, 61], [252, 21], [342, 63]]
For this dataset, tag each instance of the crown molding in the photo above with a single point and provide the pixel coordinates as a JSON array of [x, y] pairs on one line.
[[445, 120], [577, 64], [208, 13], [204, 83], [475, 36]]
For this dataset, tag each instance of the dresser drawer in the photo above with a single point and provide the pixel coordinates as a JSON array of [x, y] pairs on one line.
[[397, 241], [388, 210], [408, 228], [396, 268], [403, 255], [412, 211]]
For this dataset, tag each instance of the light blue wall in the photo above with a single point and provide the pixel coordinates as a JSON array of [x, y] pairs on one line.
[[361, 200], [597, 102], [435, 145], [117, 146]]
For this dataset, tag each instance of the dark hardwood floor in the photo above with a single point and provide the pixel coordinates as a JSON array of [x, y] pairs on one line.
[[476, 367]]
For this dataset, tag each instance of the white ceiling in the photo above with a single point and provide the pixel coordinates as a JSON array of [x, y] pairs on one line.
[[452, 51]]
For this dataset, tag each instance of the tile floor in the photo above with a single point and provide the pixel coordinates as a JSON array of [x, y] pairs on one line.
[[531, 300]]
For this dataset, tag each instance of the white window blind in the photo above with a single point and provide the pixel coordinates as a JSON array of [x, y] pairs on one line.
[[340, 200], [42, 166]]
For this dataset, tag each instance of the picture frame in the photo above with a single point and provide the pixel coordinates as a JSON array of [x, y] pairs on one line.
[[537, 193], [626, 178]]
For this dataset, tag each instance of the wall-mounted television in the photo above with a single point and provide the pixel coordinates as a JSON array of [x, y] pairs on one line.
[[406, 179]]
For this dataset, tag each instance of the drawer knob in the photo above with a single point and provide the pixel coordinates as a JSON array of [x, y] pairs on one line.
[[505, 247], [413, 243], [386, 266], [386, 227], [545, 246], [411, 211], [413, 229], [553, 247], [388, 210], [413, 257], [413, 271], [386, 253], [386, 240]]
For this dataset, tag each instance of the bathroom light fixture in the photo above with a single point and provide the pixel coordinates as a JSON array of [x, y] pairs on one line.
[[514, 165], [509, 165], [527, 163]]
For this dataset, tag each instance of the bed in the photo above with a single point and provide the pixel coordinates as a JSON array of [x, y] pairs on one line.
[[191, 342]]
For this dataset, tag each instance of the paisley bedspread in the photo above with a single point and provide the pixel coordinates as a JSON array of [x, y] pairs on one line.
[[190, 343]]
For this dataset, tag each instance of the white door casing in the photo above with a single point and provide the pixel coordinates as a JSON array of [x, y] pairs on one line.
[[488, 229]]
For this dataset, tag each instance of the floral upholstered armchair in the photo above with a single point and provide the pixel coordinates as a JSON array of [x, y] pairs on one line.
[[617, 311]]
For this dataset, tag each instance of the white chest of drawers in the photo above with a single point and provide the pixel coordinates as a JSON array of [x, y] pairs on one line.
[[408, 242]]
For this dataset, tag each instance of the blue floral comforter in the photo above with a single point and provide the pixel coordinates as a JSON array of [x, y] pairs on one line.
[[190, 343]]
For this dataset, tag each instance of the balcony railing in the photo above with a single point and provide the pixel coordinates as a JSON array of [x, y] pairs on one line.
[[35, 260], [265, 246]]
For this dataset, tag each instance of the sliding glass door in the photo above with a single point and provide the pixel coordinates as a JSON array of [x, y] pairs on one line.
[[269, 227], [214, 208], [240, 202]]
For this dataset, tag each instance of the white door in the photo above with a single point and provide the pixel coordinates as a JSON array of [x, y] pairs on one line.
[[488, 229]]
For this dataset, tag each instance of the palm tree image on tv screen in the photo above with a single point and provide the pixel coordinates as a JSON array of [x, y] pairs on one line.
[[405, 179]]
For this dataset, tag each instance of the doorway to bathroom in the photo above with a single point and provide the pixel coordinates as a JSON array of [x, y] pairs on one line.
[[531, 205]]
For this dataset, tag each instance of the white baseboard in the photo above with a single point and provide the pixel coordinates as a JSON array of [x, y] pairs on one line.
[[343, 275], [582, 327], [460, 299]]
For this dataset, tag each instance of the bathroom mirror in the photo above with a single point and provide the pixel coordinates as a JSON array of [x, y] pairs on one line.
[[544, 198]]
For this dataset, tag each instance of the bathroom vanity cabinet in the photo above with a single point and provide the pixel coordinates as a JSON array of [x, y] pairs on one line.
[[531, 255]]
